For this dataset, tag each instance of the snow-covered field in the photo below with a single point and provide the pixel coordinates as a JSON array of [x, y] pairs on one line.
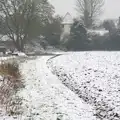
[[73, 86], [94, 77], [46, 98]]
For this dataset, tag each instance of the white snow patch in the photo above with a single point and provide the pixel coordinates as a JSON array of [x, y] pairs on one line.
[[99, 32], [4, 37], [20, 53], [7, 58]]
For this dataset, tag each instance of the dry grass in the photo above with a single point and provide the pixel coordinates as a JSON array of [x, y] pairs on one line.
[[11, 69], [10, 84]]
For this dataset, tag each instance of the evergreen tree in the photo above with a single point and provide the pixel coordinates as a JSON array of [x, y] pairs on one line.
[[78, 37]]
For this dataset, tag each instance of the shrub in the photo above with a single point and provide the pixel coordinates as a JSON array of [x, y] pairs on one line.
[[114, 42], [9, 69], [11, 82], [98, 42], [78, 37]]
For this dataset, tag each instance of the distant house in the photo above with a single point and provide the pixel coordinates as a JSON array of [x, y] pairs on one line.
[[66, 25]]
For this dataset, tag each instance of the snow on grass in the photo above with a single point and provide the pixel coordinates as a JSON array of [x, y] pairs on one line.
[[99, 32], [46, 98], [3, 113], [6, 58], [95, 77], [20, 54]]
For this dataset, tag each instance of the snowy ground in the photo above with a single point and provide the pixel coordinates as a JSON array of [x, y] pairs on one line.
[[46, 98], [94, 77], [88, 87]]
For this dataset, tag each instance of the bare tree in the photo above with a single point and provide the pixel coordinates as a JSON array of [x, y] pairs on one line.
[[19, 16], [89, 10]]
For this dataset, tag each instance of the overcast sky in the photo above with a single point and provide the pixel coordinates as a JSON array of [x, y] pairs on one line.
[[111, 8]]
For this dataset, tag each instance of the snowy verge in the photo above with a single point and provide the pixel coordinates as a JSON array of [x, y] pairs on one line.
[[46, 98], [7, 58], [3, 114], [94, 77]]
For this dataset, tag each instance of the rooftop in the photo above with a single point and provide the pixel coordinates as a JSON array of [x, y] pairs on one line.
[[67, 19]]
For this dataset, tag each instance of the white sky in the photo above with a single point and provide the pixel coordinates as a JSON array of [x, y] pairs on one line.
[[111, 8]]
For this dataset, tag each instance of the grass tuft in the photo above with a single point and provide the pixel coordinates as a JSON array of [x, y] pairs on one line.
[[10, 84]]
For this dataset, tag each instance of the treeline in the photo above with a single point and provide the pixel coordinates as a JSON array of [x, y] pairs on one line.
[[23, 21]]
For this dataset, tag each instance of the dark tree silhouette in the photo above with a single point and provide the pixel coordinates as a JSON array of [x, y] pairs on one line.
[[78, 37]]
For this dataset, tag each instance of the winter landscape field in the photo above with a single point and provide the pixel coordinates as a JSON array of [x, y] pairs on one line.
[[94, 77], [59, 60], [71, 86]]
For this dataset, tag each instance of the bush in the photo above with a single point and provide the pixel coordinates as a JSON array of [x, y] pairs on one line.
[[106, 42], [98, 42], [78, 37], [10, 84], [113, 43], [9, 69]]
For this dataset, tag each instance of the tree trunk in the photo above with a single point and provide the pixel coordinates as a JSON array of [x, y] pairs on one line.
[[19, 45], [22, 46], [86, 18]]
